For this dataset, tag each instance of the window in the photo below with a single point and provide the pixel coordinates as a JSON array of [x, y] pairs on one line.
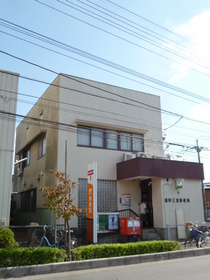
[[137, 142], [125, 141], [83, 136], [97, 138], [41, 147], [109, 139], [28, 200], [26, 154]]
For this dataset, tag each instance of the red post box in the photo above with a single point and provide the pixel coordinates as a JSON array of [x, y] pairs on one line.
[[130, 226]]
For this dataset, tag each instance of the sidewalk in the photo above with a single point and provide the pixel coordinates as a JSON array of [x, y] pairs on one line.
[[15, 272]]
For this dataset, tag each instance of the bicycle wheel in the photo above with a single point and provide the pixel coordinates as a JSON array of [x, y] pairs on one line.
[[37, 242]]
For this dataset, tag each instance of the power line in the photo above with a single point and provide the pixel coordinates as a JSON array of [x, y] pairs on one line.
[[85, 83], [117, 36], [135, 34], [59, 125], [122, 68], [119, 67], [149, 21], [73, 128], [162, 91], [92, 110]]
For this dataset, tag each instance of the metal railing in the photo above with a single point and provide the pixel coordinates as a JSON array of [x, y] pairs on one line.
[[127, 213]]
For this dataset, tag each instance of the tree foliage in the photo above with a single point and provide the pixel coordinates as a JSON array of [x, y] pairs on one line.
[[60, 199]]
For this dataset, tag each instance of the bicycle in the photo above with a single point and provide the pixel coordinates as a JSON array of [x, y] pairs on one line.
[[44, 242], [197, 235]]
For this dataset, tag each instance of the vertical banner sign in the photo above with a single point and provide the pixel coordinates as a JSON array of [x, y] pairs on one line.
[[92, 203]]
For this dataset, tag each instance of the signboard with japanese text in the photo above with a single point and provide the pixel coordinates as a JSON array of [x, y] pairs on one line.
[[126, 200], [92, 203]]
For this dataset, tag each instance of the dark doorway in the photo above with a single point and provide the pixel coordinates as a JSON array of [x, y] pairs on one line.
[[146, 194]]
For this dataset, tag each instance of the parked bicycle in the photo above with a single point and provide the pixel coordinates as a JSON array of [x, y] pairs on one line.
[[197, 235], [60, 240]]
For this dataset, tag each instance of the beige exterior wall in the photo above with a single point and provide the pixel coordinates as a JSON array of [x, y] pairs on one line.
[[77, 105], [132, 188], [8, 101], [188, 199], [105, 114], [28, 133], [158, 211], [167, 200]]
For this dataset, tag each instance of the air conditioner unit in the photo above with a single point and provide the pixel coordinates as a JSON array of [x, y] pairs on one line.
[[164, 157], [148, 155], [19, 172], [127, 156], [141, 155]]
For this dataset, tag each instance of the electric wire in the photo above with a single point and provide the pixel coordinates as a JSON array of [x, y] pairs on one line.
[[125, 69], [73, 129], [136, 35], [119, 37], [149, 21], [97, 110], [92, 65], [95, 87]]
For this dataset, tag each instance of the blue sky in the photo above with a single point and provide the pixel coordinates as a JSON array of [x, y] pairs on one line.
[[163, 47]]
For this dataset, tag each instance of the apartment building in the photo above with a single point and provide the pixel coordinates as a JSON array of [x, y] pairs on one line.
[[79, 121]]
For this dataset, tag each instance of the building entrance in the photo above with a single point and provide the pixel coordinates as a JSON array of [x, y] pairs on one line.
[[146, 195]]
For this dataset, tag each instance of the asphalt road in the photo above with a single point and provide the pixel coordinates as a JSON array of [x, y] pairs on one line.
[[192, 268]]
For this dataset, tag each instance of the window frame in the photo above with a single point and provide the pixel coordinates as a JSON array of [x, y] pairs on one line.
[[124, 136], [107, 139], [104, 134], [42, 147], [94, 136], [25, 154], [80, 133]]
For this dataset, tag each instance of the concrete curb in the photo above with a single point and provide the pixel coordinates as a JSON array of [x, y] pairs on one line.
[[21, 271]]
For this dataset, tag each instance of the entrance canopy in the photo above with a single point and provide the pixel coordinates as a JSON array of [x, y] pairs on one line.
[[159, 168]]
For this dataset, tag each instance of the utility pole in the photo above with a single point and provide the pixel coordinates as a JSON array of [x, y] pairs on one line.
[[199, 149]]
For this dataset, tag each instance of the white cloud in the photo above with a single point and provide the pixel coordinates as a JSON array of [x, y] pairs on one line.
[[200, 112], [179, 70], [196, 32]]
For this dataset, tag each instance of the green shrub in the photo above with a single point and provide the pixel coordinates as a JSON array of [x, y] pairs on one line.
[[7, 239], [30, 256], [117, 250]]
